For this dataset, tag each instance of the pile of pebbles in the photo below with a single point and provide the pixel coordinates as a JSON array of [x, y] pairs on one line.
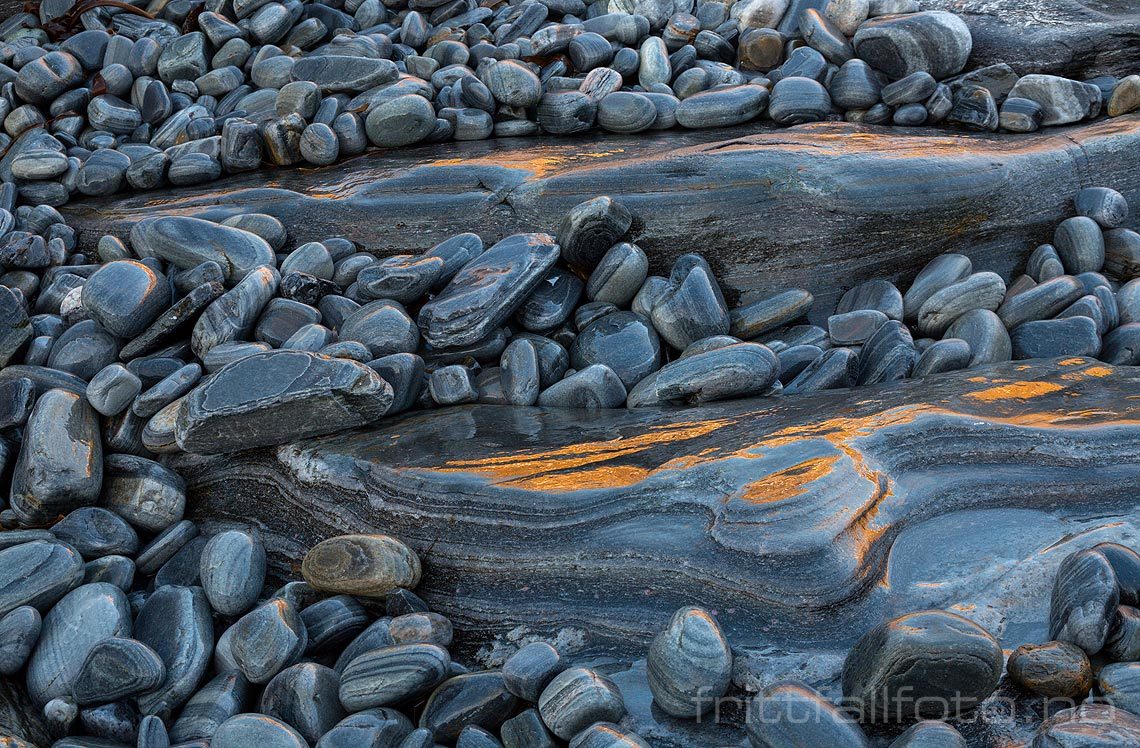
[[97, 97], [173, 641], [205, 337]]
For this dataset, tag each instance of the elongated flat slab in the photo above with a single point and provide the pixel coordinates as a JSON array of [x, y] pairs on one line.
[[802, 520], [822, 206]]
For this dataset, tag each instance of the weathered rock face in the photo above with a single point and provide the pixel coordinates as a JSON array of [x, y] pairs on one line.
[[720, 506], [834, 186], [1082, 38]]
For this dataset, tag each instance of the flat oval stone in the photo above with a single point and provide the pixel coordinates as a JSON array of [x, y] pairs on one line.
[[249, 730], [796, 100], [758, 318], [1042, 301], [400, 121], [590, 229], [1104, 205], [983, 332], [722, 107], [888, 355], [232, 570], [83, 350], [576, 699], [739, 370], [186, 242], [363, 565], [95, 532], [626, 112], [513, 84], [487, 290], [1084, 598], [930, 734], [176, 623], [791, 714], [232, 315], [472, 699], [519, 373], [19, 631], [551, 302], [279, 396], [403, 278], [225, 695], [948, 354], [1088, 726], [81, 619], [1080, 244], [344, 73], [624, 341], [1049, 338], [392, 675], [983, 290], [60, 466], [1053, 669], [935, 42], [268, 639], [880, 295], [37, 574], [112, 390], [689, 664], [528, 671], [919, 664], [148, 495], [333, 622], [125, 297], [374, 727], [854, 328], [376, 636], [116, 668], [619, 275], [304, 696]]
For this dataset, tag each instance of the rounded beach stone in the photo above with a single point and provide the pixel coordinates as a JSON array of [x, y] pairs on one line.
[[624, 341], [116, 668], [796, 100], [175, 622], [692, 307], [145, 493], [948, 354], [363, 565], [926, 664], [590, 229], [983, 290], [1084, 598], [232, 571], [626, 112], [935, 42], [125, 297], [738, 370], [576, 699], [399, 122], [304, 696], [689, 664], [1050, 338], [596, 386], [95, 532], [791, 714], [722, 107], [1125, 564], [1104, 205], [983, 332], [84, 617], [268, 639], [37, 573], [250, 730], [1119, 684], [1080, 244], [111, 390], [513, 84], [471, 699], [19, 631], [527, 672], [392, 675], [1053, 669], [374, 727]]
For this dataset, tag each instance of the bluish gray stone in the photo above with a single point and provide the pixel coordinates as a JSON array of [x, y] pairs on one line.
[[268, 639], [95, 532], [116, 668], [624, 341], [1048, 338], [19, 631], [304, 696], [176, 623], [232, 570], [740, 370]]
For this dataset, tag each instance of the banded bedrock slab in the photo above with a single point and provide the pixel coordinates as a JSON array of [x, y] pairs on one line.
[[835, 186], [962, 491]]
